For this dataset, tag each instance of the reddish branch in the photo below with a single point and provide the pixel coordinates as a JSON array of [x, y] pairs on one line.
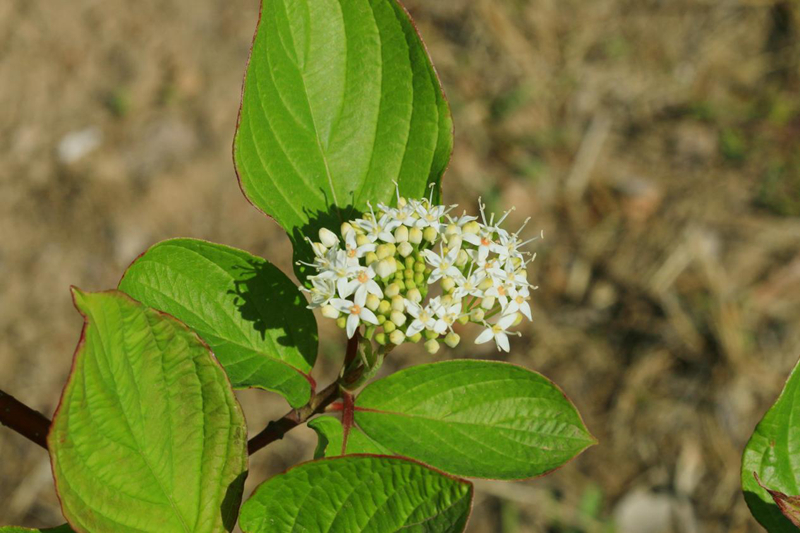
[[31, 424]]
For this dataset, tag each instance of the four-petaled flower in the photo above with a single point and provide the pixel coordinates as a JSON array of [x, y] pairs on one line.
[[356, 312]]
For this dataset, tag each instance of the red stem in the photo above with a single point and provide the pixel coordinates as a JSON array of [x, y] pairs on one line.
[[31, 424]]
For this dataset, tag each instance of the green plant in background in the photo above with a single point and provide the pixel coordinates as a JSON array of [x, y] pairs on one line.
[[771, 463], [343, 137]]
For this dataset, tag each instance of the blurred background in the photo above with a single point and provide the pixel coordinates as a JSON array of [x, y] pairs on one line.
[[654, 141]]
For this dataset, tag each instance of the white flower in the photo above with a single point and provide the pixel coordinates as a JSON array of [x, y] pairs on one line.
[[322, 290], [423, 318], [363, 283], [519, 302], [498, 332], [448, 314], [511, 275], [353, 250], [469, 286], [462, 220], [430, 215], [404, 215], [444, 264], [374, 228], [483, 240], [339, 270], [356, 312], [500, 292]]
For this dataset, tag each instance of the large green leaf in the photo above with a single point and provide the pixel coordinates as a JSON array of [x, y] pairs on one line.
[[474, 418], [330, 439], [340, 99], [773, 453], [251, 315], [359, 494], [148, 436], [14, 529]]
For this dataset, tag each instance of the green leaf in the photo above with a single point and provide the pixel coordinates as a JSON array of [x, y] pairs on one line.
[[340, 99], [148, 436], [14, 529], [359, 494], [772, 454], [330, 436], [252, 316], [474, 418]]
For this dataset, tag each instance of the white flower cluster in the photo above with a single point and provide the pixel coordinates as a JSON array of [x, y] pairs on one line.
[[381, 269]]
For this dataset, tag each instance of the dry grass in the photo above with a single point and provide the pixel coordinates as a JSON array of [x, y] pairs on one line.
[[655, 143]]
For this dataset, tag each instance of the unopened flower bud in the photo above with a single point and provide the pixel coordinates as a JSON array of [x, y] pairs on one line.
[[384, 307], [399, 318], [463, 319], [402, 202], [401, 234], [329, 311], [416, 337], [392, 290], [454, 243], [486, 284], [419, 278], [517, 320], [383, 251], [398, 304], [462, 258], [452, 339], [397, 337], [346, 228], [477, 314], [452, 229], [361, 240], [380, 338], [373, 302], [381, 319], [419, 267], [448, 284], [488, 302], [414, 295], [328, 238], [405, 249], [446, 299], [392, 248], [471, 227], [408, 274], [430, 334], [410, 284], [516, 261], [389, 326], [409, 262], [431, 346], [341, 322], [370, 258], [429, 234], [386, 267], [415, 235], [522, 273]]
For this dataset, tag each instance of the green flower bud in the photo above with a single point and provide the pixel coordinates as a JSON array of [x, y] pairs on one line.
[[446, 299], [397, 337], [381, 319], [419, 267], [361, 240], [448, 284], [398, 304], [522, 273], [402, 202], [471, 227], [383, 251], [430, 334], [392, 290], [370, 258], [431, 346], [384, 307], [416, 337], [401, 284], [485, 284], [398, 318], [415, 235], [398, 275], [386, 267], [408, 274], [341, 322], [401, 234], [346, 228], [452, 339], [452, 229], [463, 319], [410, 262], [392, 249], [429, 234], [488, 302], [329, 311], [410, 284], [389, 326], [380, 338], [517, 320], [516, 261], [454, 242], [419, 278], [462, 258], [373, 302], [405, 249], [414, 295]]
